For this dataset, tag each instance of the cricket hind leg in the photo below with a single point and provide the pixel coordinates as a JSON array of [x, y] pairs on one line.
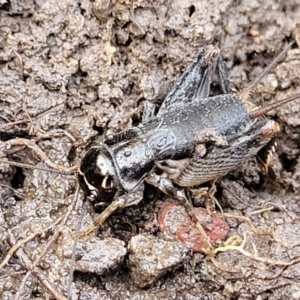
[[214, 61], [224, 77], [195, 81], [149, 111]]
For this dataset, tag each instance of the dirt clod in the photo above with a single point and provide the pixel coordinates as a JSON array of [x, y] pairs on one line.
[[151, 258], [72, 72]]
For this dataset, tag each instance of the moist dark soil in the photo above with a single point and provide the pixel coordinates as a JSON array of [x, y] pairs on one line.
[[73, 72]]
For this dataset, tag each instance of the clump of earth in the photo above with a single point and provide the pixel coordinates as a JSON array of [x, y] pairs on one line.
[[74, 72]]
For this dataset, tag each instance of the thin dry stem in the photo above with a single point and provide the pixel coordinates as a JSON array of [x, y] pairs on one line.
[[38, 274], [22, 242], [50, 242], [38, 151]]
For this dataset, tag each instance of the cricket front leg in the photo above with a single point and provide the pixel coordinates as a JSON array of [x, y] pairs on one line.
[[120, 201]]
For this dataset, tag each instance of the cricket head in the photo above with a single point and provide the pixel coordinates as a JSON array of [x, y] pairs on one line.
[[97, 173]]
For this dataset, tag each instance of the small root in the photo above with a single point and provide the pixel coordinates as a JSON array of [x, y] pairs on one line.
[[249, 222], [11, 124], [211, 195], [236, 244]]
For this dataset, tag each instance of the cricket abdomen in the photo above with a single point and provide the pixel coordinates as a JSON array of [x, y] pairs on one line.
[[228, 117], [226, 114], [220, 161]]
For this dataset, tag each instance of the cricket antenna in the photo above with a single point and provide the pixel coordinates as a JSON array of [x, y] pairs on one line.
[[32, 167], [90, 198], [261, 111], [245, 92]]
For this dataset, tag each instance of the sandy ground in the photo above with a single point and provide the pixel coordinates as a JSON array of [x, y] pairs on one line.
[[71, 72]]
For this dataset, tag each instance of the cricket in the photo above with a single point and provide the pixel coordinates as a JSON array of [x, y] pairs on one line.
[[194, 138]]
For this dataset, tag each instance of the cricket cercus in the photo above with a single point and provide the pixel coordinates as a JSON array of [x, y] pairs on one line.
[[194, 138]]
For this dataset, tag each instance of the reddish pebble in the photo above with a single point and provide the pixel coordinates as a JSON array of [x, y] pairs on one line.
[[174, 220]]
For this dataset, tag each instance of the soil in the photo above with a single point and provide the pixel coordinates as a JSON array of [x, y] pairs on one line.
[[73, 72]]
